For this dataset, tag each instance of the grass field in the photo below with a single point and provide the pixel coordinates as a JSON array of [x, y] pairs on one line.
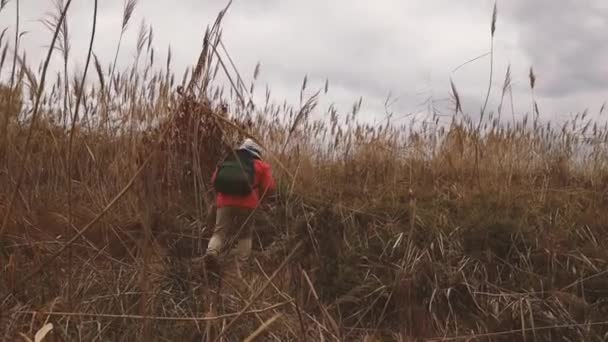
[[482, 229]]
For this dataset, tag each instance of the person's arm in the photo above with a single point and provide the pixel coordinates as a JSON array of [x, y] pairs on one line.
[[272, 186], [267, 183]]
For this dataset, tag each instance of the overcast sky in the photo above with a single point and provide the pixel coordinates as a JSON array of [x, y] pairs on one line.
[[369, 49]]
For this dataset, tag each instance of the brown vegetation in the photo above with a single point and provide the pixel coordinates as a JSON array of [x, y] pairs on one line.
[[493, 232]]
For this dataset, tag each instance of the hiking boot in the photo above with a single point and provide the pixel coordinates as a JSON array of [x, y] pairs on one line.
[[211, 266]]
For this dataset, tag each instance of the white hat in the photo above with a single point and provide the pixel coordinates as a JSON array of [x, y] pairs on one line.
[[252, 147]]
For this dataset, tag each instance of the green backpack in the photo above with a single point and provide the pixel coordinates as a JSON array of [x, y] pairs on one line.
[[236, 174]]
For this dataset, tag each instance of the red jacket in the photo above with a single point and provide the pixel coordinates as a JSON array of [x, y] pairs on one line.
[[263, 183]]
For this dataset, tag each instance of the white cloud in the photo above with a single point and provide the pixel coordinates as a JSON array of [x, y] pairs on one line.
[[367, 49]]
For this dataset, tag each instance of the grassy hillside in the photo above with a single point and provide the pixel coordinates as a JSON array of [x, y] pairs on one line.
[[447, 232]]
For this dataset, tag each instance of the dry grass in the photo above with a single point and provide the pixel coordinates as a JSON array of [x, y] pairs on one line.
[[474, 230]]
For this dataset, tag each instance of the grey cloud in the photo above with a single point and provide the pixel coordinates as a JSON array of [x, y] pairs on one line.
[[566, 42], [367, 49]]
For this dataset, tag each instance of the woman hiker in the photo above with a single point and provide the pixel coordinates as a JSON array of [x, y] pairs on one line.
[[241, 181]]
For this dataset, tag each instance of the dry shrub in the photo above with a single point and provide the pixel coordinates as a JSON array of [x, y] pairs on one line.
[[407, 233]]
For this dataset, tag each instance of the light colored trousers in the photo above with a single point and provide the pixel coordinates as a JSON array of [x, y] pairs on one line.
[[232, 224]]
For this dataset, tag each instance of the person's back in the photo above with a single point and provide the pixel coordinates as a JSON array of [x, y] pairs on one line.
[[263, 183], [241, 182]]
